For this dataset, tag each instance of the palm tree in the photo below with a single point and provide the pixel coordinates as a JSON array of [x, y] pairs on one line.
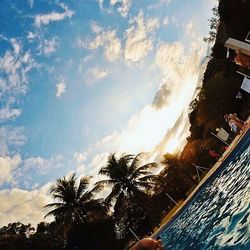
[[73, 202], [128, 180]]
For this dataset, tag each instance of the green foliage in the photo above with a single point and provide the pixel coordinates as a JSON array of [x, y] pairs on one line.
[[17, 228], [213, 24], [47, 236], [17, 236], [126, 178], [130, 185], [73, 203]]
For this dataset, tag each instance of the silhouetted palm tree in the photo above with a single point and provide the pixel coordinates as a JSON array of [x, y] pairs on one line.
[[73, 202], [127, 179]]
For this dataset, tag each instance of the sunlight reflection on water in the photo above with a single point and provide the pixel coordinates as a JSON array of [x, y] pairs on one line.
[[219, 217]]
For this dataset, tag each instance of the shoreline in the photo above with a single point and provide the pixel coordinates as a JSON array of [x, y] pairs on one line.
[[223, 157]]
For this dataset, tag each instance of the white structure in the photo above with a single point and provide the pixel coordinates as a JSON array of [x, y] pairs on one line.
[[235, 44], [223, 134], [246, 84]]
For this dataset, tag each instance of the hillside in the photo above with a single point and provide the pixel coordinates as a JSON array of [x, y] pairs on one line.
[[220, 85]]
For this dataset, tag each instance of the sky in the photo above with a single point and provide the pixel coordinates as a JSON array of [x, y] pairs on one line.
[[81, 79]]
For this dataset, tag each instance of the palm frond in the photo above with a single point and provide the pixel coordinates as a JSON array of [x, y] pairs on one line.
[[142, 170], [111, 163], [116, 190], [105, 182], [57, 211], [97, 188], [145, 178], [55, 204], [82, 186], [135, 162]]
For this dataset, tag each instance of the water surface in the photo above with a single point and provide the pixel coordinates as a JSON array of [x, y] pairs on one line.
[[218, 216]]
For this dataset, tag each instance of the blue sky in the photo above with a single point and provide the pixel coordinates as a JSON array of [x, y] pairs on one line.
[[82, 79]]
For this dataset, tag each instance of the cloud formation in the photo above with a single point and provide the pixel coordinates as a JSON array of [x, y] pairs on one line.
[[80, 159], [95, 74], [165, 21], [60, 87], [123, 6], [11, 137], [174, 138], [15, 65], [162, 96], [45, 19], [104, 39], [8, 165], [24, 206], [14, 169], [8, 113], [158, 5], [161, 126], [179, 69], [41, 165], [139, 38], [50, 46]]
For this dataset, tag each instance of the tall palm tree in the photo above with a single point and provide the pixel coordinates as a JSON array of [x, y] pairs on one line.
[[126, 178], [73, 202]]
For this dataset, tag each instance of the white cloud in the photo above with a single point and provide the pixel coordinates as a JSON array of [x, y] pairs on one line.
[[162, 126], [190, 29], [80, 158], [24, 206], [14, 168], [174, 139], [31, 36], [96, 28], [106, 39], [53, 16], [14, 68], [165, 21], [60, 87], [45, 46], [10, 137], [158, 4], [152, 24], [113, 48], [180, 70], [50, 46], [142, 133], [8, 165], [41, 165], [124, 6], [16, 46], [8, 113], [138, 38], [95, 74], [99, 74]]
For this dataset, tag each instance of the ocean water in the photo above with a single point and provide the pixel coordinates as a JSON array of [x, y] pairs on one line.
[[218, 216]]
